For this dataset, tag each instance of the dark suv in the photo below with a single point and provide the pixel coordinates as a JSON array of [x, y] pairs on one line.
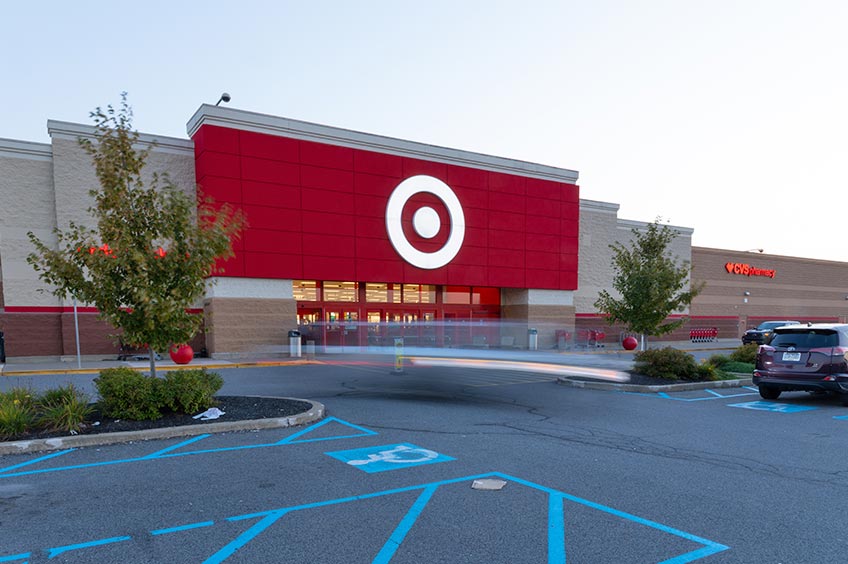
[[807, 357], [764, 332]]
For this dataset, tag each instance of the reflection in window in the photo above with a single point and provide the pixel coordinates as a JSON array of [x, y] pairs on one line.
[[456, 295], [305, 290], [340, 291]]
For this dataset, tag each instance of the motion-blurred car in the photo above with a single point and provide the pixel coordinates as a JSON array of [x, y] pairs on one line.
[[807, 357], [764, 332]]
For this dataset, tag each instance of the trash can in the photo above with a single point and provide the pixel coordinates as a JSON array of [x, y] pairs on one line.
[[532, 339], [294, 344], [2, 348]]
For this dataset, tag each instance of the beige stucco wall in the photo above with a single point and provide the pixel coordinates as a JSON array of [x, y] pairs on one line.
[[26, 192], [601, 227], [47, 186]]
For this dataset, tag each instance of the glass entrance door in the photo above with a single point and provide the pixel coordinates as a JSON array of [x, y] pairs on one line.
[[341, 327]]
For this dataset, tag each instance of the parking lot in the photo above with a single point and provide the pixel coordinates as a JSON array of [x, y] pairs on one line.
[[389, 476]]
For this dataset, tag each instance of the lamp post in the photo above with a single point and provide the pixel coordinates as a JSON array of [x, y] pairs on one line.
[[76, 333]]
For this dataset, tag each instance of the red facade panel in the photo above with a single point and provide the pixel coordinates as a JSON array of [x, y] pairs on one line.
[[220, 189], [268, 241], [209, 163], [317, 211], [326, 178], [219, 139], [507, 183], [270, 195], [269, 147], [272, 265], [329, 156], [378, 164], [469, 177], [328, 245], [274, 172]]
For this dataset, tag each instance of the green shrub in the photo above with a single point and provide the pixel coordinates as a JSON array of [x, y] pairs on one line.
[[24, 396], [127, 394], [717, 360], [745, 353], [740, 367], [707, 373], [16, 416], [671, 364], [64, 408], [190, 391]]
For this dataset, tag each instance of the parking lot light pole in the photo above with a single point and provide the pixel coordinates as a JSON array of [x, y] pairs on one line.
[[76, 332]]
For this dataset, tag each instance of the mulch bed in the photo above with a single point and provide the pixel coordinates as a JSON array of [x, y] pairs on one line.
[[235, 408]]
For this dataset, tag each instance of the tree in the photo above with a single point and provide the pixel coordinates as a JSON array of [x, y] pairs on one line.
[[650, 283], [147, 262]]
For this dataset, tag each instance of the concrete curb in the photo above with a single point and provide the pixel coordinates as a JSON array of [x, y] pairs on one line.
[[614, 387], [315, 413]]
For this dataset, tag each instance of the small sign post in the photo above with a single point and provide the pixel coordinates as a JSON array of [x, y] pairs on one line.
[[398, 355]]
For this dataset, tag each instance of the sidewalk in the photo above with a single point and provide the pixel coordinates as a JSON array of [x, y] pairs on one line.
[[28, 367], [22, 367]]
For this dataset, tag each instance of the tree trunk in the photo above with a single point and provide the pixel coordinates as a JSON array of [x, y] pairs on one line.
[[152, 361], [642, 341]]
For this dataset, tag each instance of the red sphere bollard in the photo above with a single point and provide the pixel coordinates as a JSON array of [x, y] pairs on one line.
[[181, 354], [630, 343]]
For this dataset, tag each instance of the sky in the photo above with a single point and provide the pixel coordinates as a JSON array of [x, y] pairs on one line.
[[726, 116]]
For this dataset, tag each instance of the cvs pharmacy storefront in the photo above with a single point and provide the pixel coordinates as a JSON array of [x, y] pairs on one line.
[[357, 238]]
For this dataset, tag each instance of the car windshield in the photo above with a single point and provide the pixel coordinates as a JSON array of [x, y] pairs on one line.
[[771, 325], [806, 338]]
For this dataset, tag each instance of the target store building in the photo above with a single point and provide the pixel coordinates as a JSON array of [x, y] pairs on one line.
[[349, 234]]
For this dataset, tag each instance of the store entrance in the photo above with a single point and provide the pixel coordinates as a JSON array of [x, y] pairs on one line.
[[376, 315]]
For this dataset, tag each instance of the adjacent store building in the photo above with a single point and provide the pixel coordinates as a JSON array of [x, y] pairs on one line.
[[356, 239]]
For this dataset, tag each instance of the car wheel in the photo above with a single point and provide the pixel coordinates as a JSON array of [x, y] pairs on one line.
[[844, 398], [769, 393]]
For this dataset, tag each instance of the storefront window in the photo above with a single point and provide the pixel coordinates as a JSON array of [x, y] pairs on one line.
[[340, 291], [305, 290], [376, 293], [419, 294]]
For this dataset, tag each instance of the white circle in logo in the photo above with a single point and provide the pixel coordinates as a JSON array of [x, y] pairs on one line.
[[425, 221]]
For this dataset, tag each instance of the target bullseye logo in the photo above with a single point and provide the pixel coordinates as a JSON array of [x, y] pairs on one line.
[[425, 221]]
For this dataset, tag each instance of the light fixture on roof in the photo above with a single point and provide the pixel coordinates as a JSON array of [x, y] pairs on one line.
[[226, 98], [754, 251], [746, 293]]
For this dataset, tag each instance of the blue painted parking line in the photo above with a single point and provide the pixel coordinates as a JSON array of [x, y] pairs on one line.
[[712, 395], [774, 407], [54, 552], [388, 457], [171, 451], [35, 461], [182, 528], [555, 530]]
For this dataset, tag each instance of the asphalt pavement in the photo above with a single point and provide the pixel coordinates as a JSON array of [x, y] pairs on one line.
[[599, 368]]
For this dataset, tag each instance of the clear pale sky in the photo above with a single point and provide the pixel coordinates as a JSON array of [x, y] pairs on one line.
[[727, 116]]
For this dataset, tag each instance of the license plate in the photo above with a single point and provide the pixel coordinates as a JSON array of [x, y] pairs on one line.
[[792, 356]]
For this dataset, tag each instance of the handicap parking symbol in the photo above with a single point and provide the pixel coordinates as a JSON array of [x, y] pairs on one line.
[[388, 457], [775, 407]]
